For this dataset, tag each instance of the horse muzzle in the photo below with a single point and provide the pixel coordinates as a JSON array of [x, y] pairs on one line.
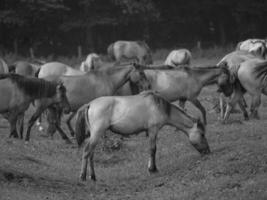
[[205, 151]]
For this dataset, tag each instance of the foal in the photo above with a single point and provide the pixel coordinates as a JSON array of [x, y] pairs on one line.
[[130, 115]]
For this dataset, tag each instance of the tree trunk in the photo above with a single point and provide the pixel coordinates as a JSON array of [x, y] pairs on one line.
[[15, 45], [89, 39], [222, 33]]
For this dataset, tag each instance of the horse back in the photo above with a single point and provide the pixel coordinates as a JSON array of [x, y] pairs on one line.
[[52, 68], [130, 49], [24, 68]]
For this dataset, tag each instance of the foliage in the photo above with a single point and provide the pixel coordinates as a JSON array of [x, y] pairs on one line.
[[53, 26]]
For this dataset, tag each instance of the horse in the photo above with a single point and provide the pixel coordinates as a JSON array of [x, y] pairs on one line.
[[3, 67], [93, 61], [232, 61], [256, 46], [82, 89], [25, 68], [17, 92], [58, 69], [184, 83], [178, 57], [134, 50], [130, 115], [252, 75]]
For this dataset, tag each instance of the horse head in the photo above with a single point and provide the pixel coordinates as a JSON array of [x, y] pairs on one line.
[[138, 77], [225, 80], [197, 137]]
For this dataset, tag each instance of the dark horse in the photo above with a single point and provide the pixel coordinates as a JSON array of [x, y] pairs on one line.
[[17, 92]]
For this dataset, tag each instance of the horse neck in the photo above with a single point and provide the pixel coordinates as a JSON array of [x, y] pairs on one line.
[[44, 89], [179, 119], [206, 76], [119, 77]]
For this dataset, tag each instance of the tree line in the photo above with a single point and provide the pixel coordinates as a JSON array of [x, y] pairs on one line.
[[60, 26]]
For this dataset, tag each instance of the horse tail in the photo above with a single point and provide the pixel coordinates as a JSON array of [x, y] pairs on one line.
[[36, 74], [80, 126], [110, 51], [261, 72]]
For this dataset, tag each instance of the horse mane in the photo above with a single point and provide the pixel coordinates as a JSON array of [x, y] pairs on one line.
[[161, 102], [143, 44], [110, 51], [261, 72], [32, 86]]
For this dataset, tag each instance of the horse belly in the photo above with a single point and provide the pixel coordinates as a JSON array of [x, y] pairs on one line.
[[248, 80], [170, 87], [130, 117], [11, 97]]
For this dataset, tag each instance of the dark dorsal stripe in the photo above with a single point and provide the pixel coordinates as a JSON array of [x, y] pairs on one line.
[[32, 87]]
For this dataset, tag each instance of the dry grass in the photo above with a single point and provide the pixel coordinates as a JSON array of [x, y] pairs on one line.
[[236, 168]]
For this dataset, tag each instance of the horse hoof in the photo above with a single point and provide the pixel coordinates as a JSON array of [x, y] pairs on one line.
[[223, 122], [67, 141], [72, 134], [41, 129], [153, 170], [83, 177], [93, 178]]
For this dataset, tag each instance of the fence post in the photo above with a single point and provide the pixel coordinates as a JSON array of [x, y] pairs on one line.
[[31, 53], [79, 52], [199, 45], [15, 43]]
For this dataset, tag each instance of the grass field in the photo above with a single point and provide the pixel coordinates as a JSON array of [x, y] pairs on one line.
[[236, 168]]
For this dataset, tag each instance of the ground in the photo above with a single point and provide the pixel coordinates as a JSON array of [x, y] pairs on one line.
[[236, 168]]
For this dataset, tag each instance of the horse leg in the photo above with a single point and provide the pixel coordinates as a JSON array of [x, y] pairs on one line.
[[69, 124], [88, 152], [236, 97], [221, 98], [21, 124], [62, 134], [52, 120], [243, 108], [152, 168], [182, 103], [13, 126], [256, 101], [32, 120], [197, 103]]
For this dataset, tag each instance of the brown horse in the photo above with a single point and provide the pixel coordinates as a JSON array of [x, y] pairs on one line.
[[178, 57], [58, 69], [232, 61], [252, 75], [82, 89], [255, 46], [184, 83], [92, 62], [17, 92], [130, 50], [130, 115], [25, 68]]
